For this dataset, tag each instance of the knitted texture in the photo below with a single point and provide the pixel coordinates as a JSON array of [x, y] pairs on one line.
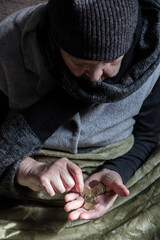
[[17, 141], [93, 29]]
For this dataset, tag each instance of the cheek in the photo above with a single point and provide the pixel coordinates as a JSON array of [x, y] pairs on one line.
[[112, 70], [116, 68]]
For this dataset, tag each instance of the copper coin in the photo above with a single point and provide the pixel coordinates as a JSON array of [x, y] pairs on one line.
[[88, 206], [93, 183]]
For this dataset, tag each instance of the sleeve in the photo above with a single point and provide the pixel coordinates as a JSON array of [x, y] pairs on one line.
[[17, 141], [146, 133], [23, 134]]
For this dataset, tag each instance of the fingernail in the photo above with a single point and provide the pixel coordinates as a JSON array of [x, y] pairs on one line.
[[66, 209]]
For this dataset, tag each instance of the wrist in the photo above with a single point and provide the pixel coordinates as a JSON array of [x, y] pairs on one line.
[[25, 168]]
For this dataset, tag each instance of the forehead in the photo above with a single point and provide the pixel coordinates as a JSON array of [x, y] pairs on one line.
[[83, 61]]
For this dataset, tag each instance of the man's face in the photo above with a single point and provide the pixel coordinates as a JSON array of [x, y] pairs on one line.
[[95, 71]]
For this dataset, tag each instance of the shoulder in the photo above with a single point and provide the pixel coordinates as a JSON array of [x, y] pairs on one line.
[[17, 58], [22, 16], [12, 27]]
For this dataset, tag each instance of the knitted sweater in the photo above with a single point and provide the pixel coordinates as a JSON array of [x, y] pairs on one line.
[[22, 83]]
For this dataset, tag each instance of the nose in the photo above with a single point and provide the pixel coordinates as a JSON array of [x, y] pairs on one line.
[[95, 73]]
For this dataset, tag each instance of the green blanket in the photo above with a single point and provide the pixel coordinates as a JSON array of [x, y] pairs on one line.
[[134, 217]]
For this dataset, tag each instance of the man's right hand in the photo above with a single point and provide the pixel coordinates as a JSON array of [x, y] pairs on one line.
[[58, 177]]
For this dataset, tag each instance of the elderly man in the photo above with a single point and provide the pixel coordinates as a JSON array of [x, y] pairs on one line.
[[78, 76]]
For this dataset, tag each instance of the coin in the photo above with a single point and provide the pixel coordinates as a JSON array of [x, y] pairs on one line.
[[88, 206], [98, 190], [90, 195], [102, 187], [93, 183], [85, 192]]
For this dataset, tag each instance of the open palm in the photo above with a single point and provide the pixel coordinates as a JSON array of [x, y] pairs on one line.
[[114, 187]]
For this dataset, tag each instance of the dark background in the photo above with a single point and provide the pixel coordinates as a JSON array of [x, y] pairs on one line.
[[9, 6]]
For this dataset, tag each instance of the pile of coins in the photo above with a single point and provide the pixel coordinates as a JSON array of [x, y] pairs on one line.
[[89, 195]]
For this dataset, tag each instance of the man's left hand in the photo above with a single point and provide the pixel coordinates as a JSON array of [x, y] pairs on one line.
[[114, 187]]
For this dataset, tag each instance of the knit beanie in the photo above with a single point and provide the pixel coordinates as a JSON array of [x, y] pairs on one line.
[[93, 29]]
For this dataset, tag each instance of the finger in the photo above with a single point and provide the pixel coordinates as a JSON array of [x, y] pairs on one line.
[[113, 181], [58, 186], [91, 214], [74, 190], [75, 214], [67, 181], [77, 175], [35, 186], [47, 188], [71, 196], [74, 204], [50, 192], [120, 189], [86, 184]]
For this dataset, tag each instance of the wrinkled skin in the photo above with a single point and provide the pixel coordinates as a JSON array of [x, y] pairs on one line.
[[57, 177], [95, 71], [114, 187], [62, 176]]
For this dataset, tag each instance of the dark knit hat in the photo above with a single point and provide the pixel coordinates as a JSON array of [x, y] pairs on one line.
[[93, 29]]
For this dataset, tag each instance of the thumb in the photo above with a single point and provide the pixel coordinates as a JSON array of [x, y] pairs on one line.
[[113, 181], [120, 189]]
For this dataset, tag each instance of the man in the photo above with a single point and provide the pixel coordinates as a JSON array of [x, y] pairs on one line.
[[93, 57]]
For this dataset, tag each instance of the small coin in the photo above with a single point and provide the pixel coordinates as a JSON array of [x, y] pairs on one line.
[[93, 201], [102, 187], [85, 192], [89, 197], [93, 183], [98, 190], [88, 206]]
